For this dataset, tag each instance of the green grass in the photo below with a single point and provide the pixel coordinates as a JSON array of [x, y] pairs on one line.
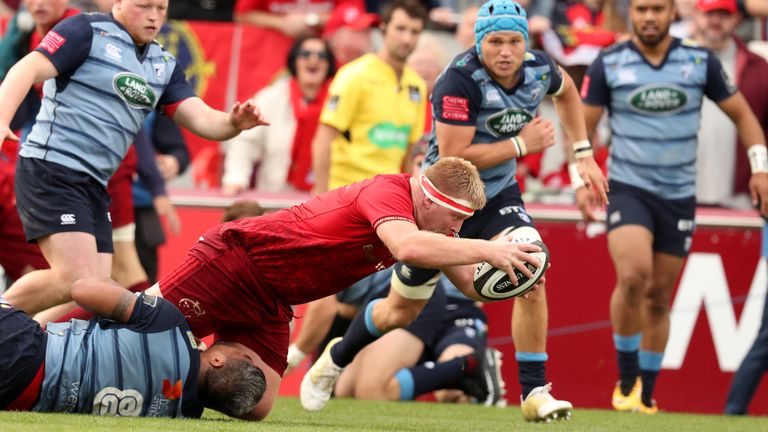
[[350, 415]]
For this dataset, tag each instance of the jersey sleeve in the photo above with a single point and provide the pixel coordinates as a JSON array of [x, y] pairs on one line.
[[342, 102], [456, 99], [154, 314], [178, 88], [594, 88], [556, 78], [385, 200], [68, 44], [719, 86]]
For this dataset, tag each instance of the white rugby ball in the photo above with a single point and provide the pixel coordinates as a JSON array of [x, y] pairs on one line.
[[494, 284]]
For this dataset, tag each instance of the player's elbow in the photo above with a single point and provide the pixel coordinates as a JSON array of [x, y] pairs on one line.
[[411, 254]]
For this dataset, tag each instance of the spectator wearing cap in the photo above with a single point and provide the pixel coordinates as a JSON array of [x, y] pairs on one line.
[[723, 171], [291, 17], [283, 151], [348, 32]]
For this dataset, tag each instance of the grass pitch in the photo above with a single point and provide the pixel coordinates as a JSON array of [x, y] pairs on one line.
[[351, 415]]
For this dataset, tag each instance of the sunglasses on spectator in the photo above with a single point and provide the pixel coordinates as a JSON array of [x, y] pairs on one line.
[[322, 55]]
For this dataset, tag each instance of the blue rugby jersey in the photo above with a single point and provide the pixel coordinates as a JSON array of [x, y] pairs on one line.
[[106, 86], [146, 367], [655, 112], [466, 95]]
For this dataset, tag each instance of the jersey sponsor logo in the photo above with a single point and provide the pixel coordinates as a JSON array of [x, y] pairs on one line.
[[172, 392], [116, 402], [333, 103], [52, 42], [685, 225], [658, 99], [388, 135], [508, 121], [159, 70], [464, 60], [413, 94], [67, 219], [626, 76], [134, 90], [192, 339], [150, 300], [535, 93], [113, 52], [455, 108]]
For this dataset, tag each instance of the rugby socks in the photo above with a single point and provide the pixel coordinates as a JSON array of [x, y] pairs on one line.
[[650, 365], [360, 333], [431, 376], [627, 358], [531, 371]]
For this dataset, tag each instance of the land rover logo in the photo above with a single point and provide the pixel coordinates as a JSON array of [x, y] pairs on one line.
[[658, 99], [508, 121], [134, 90]]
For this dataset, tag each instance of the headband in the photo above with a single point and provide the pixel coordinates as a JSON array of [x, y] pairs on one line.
[[456, 204]]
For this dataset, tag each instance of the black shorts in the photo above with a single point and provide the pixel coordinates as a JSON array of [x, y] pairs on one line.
[[670, 221], [52, 198], [503, 211], [23, 352], [463, 324]]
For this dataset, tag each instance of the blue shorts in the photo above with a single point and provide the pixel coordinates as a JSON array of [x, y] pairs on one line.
[[52, 198], [670, 221], [463, 324], [503, 211], [23, 344]]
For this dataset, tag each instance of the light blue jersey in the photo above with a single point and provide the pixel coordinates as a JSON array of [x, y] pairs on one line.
[[105, 87], [466, 95], [146, 367], [655, 112]]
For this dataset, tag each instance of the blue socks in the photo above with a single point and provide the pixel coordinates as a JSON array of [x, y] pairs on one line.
[[650, 365], [627, 358], [531, 371], [428, 377], [360, 333]]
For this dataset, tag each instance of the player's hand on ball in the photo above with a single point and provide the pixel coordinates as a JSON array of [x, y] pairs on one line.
[[516, 257], [246, 115]]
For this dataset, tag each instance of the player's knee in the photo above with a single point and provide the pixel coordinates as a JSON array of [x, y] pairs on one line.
[[400, 316], [634, 281], [657, 303]]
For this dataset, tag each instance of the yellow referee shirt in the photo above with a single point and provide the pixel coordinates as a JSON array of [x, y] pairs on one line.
[[377, 115]]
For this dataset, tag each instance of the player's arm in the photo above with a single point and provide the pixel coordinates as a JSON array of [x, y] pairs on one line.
[[31, 69], [752, 136], [107, 300], [321, 156], [427, 249], [569, 109], [212, 124]]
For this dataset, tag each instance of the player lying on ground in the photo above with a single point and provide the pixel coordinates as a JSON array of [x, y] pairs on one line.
[[138, 358]]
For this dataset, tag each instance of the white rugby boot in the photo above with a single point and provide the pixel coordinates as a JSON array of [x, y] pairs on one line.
[[541, 406], [318, 382]]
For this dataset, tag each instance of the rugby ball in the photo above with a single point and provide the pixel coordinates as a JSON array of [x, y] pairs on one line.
[[495, 284]]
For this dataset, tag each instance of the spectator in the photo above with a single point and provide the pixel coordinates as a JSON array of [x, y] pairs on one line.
[[293, 18], [682, 27], [723, 171], [284, 151], [465, 31], [348, 32]]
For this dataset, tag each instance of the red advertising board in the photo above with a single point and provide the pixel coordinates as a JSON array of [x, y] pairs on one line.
[[715, 312]]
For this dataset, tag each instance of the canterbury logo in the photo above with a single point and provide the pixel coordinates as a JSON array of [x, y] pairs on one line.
[[67, 219]]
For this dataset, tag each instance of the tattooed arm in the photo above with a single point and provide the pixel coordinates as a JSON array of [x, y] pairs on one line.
[[106, 299]]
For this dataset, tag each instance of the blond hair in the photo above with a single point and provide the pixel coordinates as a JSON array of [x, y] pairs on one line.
[[458, 178]]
